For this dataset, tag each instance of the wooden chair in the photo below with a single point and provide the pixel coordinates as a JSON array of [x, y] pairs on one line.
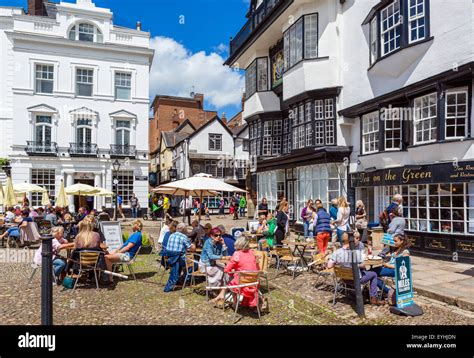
[[191, 271], [285, 255], [247, 279], [88, 261], [262, 263], [129, 264], [344, 281], [318, 266]]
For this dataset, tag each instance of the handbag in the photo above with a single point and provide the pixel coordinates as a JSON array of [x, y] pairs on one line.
[[68, 282], [361, 224]]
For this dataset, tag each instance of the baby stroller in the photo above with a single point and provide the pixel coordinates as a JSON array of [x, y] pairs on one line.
[[152, 213]]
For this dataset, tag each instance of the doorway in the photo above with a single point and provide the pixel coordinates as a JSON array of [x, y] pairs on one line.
[[80, 201]]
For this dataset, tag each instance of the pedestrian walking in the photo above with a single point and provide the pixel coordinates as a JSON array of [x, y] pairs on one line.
[[134, 205]]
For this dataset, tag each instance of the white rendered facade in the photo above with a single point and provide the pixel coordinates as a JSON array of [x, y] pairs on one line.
[[74, 98]]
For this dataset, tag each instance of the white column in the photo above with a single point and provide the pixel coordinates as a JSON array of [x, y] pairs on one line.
[[98, 183], [70, 181]]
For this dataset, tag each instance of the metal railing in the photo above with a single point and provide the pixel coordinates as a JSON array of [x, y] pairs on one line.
[[119, 150], [41, 148], [79, 149]]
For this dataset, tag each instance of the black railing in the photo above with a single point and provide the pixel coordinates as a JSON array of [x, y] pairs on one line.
[[80, 149], [256, 18], [118, 150], [41, 148]]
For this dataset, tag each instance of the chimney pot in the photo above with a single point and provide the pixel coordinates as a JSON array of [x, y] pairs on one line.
[[139, 26], [36, 8]]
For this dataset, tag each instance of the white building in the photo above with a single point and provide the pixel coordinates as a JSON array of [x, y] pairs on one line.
[[322, 80], [73, 98], [213, 149]]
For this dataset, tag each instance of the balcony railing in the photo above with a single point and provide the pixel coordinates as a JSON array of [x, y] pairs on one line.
[[83, 149], [118, 150], [256, 18], [41, 148]]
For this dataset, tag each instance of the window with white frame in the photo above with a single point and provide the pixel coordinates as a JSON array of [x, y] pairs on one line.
[[311, 36], [122, 132], [370, 132], [416, 20], [393, 128], [318, 109], [329, 108], [262, 74], [319, 131], [390, 24], [256, 77], [267, 146], [456, 114], [45, 178], [123, 85], [325, 122], [397, 29], [44, 78], [84, 82], [215, 141], [43, 130], [85, 32], [213, 168], [251, 79], [309, 134], [84, 131], [125, 184], [425, 118]]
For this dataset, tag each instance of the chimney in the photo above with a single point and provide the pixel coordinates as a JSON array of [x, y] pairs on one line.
[[36, 8], [200, 99], [243, 101], [223, 118], [139, 26], [175, 119]]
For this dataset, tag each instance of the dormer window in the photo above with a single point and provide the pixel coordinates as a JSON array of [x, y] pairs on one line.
[[85, 32]]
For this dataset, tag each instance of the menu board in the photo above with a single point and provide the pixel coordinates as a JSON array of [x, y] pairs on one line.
[[113, 234]]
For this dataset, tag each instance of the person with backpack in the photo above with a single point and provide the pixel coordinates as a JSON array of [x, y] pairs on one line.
[[386, 216], [242, 205], [322, 221]]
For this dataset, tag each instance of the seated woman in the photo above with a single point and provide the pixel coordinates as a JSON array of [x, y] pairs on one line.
[[343, 257], [128, 249], [388, 268], [214, 249], [242, 260], [59, 243]]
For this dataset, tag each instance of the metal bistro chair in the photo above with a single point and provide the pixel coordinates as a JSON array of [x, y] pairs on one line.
[[129, 264], [88, 261], [191, 271], [247, 279], [285, 256], [318, 266], [344, 281]]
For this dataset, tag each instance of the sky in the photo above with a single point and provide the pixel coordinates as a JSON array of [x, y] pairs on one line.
[[191, 42]]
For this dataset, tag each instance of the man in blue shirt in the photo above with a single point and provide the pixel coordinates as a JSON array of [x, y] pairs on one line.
[[176, 248], [128, 250], [229, 240]]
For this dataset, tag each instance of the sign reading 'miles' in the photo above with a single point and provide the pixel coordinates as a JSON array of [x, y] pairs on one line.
[[403, 282]]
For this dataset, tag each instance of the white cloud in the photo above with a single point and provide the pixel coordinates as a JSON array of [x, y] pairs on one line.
[[176, 70]]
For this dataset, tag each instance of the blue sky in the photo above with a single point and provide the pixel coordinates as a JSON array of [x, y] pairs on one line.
[[191, 39]]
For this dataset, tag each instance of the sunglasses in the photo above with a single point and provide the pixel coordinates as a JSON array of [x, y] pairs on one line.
[[216, 235]]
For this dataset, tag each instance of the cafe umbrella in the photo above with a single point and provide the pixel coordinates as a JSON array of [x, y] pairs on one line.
[[81, 190], [200, 185], [10, 198], [62, 200]]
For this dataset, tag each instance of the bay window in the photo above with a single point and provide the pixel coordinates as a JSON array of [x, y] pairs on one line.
[[397, 25], [256, 77], [300, 41]]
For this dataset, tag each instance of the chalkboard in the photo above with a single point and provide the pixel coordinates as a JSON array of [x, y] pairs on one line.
[[113, 235]]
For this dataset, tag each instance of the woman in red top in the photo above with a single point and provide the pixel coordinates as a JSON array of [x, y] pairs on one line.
[[243, 260]]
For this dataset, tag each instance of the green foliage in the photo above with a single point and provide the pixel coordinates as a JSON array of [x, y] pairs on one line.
[[4, 161], [145, 238]]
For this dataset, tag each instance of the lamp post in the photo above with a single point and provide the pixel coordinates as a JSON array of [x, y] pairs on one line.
[[115, 182]]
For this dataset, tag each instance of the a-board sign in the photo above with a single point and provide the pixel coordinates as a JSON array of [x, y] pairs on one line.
[[403, 281], [113, 234], [253, 225]]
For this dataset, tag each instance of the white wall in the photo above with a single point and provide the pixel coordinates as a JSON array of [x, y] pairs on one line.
[[200, 142]]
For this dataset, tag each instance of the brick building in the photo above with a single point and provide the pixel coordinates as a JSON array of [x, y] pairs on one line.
[[169, 112]]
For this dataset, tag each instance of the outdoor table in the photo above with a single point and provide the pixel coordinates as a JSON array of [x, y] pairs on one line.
[[300, 248], [223, 261], [372, 263]]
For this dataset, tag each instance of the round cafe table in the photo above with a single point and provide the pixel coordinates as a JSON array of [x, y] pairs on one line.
[[300, 248]]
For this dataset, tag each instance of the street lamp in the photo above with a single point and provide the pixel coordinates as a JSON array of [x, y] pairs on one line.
[[115, 168]]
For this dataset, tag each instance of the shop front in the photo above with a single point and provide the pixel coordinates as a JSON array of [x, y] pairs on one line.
[[438, 203]]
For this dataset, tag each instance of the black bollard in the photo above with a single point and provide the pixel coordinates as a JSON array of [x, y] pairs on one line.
[[47, 280], [356, 273]]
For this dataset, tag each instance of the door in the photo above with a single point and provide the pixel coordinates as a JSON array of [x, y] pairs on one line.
[[290, 193], [80, 201]]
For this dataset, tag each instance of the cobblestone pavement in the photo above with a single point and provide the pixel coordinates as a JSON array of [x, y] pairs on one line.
[[143, 302]]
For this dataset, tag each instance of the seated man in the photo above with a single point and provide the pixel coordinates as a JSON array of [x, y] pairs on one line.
[[343, 257], [197, 234], [128, 249], [166, 237], [10, 215], [104, 215], [12, 233], [176, 248], [229, 240]]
